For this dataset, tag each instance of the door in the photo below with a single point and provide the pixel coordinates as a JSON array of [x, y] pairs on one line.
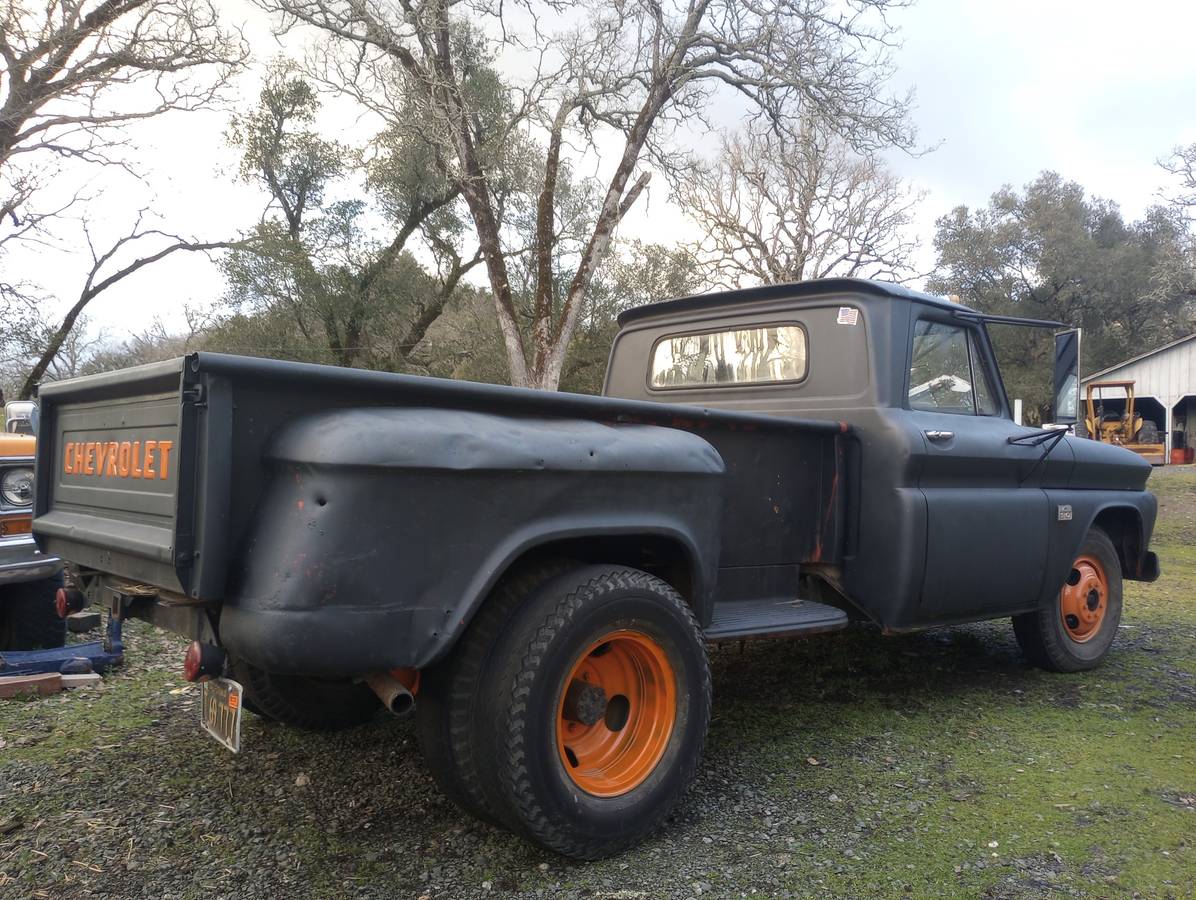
[[986, 512]]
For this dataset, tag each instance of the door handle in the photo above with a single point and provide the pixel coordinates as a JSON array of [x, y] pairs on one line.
[[940, 437]]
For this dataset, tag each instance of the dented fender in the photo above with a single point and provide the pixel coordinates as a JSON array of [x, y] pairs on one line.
[[380, 531]]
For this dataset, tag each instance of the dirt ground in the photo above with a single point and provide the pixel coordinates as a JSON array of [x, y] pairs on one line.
[[852, 765]]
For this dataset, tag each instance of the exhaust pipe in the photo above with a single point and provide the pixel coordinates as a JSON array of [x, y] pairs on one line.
[[395, 695]]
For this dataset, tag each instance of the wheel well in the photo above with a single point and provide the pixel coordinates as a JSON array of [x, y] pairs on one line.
[[661, 556], [1123, 525]]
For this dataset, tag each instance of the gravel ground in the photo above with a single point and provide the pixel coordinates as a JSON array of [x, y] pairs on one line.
[[851, 765]]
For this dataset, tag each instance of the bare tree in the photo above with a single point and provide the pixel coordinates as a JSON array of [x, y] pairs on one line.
[[1182, 164], [75, 73], [774, 206], [107, 271], [76, 351], [626, 75]]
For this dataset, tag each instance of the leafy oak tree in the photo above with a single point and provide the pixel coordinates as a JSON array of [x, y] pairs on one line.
[[1052, 252], [335, 280]]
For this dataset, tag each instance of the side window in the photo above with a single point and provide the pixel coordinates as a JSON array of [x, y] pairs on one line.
[[947, 372]]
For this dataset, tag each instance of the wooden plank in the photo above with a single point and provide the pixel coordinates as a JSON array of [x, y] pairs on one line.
[[82, 680], [13, 685]]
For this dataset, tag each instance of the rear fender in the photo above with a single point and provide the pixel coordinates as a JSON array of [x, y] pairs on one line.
[[381, 531]]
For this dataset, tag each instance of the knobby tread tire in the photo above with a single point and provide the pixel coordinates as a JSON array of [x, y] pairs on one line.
[[1041, 635], [550, 615], [28, 618], [306, 703], [447, 714]]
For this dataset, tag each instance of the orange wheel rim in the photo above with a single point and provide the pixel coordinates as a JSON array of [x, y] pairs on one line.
[[616, 713], [1084, 599]]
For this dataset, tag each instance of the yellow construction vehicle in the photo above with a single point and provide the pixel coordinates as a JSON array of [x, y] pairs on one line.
[[1125, 428]]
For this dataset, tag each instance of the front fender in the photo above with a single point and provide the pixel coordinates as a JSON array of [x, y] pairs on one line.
[[380, 531], [1127, 516]]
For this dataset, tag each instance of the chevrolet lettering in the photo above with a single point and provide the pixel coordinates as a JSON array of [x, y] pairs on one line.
[[118, 459]]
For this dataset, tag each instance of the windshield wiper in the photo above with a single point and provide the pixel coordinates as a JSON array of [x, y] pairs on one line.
[[1039, 437], [1047, 438]]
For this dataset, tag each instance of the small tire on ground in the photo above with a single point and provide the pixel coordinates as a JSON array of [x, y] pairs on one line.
[[1042, 635], [28, 617], [301, 702], [447, 706], [524, 695]]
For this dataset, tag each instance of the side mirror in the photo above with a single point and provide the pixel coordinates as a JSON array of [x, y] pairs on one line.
[[1065, 407], [20, 417]]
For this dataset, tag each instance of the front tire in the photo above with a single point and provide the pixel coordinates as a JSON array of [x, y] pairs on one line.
[[28, 618], [301, 702], [1074, 631], [596, 708]]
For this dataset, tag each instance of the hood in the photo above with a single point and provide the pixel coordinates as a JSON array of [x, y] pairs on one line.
[[16, 445], [1099, 465]]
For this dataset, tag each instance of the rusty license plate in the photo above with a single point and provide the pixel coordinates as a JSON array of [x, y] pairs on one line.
[[220, 711]]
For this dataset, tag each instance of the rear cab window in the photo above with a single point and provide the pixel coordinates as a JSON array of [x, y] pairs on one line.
[[767, 354], [948, 373]]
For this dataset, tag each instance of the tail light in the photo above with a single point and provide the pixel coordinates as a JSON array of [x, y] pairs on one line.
[[69, 600], [203, 661]]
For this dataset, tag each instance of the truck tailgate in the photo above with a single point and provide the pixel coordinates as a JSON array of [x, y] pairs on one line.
[[117, 476]]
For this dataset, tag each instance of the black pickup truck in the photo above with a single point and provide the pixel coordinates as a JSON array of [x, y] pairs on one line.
[[538, 575]]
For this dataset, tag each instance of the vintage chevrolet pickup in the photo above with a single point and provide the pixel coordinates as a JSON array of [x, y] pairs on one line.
[[538, 575]]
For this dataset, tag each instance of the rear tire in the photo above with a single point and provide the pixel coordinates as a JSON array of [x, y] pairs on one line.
[[1075, 629], [447, 706], [28, 618], [302, 702], [590, 774]]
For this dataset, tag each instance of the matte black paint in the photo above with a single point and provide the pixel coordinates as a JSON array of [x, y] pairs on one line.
[[933, 533], [337, 521]]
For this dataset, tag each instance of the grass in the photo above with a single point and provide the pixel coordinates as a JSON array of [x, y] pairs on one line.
[[936, 765]]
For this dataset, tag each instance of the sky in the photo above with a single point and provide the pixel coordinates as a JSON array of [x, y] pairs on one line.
[[1005, 89]]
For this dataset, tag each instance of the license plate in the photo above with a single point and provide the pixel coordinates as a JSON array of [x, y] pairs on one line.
[[220, 711]]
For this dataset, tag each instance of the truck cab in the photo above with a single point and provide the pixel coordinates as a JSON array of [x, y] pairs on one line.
[[954, 511]]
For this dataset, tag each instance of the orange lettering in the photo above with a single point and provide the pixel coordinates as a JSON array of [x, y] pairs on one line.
[[164, 448], [122, 459], [80, 454], [150, 447], [101, 455], [89, 457], [68, 453], [110, 467], [136, 471]]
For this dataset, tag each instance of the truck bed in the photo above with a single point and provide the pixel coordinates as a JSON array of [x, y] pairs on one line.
[[165, 475]]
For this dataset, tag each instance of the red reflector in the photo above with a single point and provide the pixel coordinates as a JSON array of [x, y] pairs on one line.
[[193, 661], [61, 606]]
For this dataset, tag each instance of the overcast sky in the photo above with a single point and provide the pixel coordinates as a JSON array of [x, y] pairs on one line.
[[1097, 91]]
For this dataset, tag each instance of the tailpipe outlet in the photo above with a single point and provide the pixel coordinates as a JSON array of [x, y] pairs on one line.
[[395, 695]]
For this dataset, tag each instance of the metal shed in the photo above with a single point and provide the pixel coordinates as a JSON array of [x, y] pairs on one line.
[[1165, 387]]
